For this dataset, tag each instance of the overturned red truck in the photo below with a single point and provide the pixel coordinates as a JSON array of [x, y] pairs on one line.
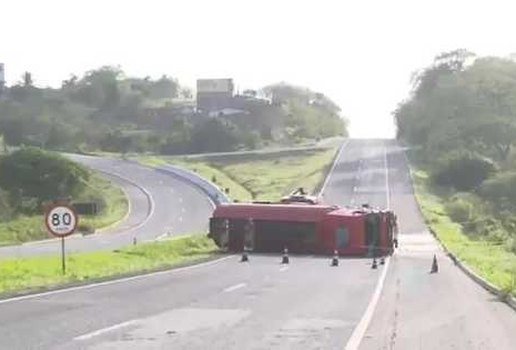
[[303, 228]]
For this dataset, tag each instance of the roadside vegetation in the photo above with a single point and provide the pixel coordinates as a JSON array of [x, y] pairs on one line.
[[488, 258], [42, 272], [460, 123], [30, 178]]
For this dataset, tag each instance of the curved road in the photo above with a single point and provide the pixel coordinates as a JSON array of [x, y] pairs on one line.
[[163, 205], [264, 305]]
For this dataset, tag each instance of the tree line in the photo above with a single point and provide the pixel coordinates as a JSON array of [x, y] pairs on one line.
[[460, 119], [105, 110]]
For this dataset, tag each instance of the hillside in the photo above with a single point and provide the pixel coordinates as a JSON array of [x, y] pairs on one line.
[[460, 123], [104, 110]]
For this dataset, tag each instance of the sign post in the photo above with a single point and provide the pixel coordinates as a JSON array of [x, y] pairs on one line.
[[61, 220]]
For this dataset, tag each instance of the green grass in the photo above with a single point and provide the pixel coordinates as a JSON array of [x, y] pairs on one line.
[[487, 259], [268, 178], [258, 176], [39, 272], [28, 228], [204, 169], [115, 207]]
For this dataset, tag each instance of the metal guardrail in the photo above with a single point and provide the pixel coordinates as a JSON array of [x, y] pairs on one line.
[[210, 189]]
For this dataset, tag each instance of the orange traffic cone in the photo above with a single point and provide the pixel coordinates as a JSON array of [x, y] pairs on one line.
[[245, 256], [335, 259], [285, 259], [435, 267], [375, 264]]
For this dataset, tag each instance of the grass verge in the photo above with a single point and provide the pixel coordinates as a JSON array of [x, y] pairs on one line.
[[258, 176], [203, 168], [36, 273], [490, 261], [114, 207]]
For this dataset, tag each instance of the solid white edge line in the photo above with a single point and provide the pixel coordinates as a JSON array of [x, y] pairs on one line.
[[117, 281], [359, 331], [150, 212], [104, 330], [234, 287], [325, 184]]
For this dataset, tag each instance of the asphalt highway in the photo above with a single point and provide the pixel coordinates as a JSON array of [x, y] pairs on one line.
[[221, 305], [159, 205], [262, 304]]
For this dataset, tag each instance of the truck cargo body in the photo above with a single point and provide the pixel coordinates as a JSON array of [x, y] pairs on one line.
[[303, 229]]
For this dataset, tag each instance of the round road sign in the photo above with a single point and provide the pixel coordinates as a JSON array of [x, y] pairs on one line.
[[61, 220]]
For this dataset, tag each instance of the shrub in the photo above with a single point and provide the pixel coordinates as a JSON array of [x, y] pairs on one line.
[[459, 211], [501, 188], [463, 172], [32, 176]]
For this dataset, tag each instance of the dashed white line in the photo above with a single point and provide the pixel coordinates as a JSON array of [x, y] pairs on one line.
[[283, 268], [235, 287], [181, 218], [387, 189], [337, 158], [180, 199], [104, 330]]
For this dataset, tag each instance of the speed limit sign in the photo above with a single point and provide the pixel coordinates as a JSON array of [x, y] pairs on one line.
[[61, 220]]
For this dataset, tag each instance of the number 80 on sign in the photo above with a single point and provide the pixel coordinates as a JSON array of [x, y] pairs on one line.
[[61, 220]]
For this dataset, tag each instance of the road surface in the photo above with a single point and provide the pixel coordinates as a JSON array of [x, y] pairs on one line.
[[439, 311], [159, 204], [265, 305]]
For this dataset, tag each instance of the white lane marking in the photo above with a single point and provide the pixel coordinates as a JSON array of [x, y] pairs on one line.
[[183, 210], [180, 199], [325, 184], [235, 287], [354, 188], [359, 331], [387, 189], [104, 330], [283, 268], [181, 219], [121, 280]]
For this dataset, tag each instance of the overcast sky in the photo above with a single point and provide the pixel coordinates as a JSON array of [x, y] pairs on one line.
[[360, 53]]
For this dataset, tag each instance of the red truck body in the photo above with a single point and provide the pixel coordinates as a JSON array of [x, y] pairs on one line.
[[304, 228]]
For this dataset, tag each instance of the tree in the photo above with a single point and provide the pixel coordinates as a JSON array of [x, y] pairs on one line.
[[463, 172], [165, 87], [456, 105], [214, 135]]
